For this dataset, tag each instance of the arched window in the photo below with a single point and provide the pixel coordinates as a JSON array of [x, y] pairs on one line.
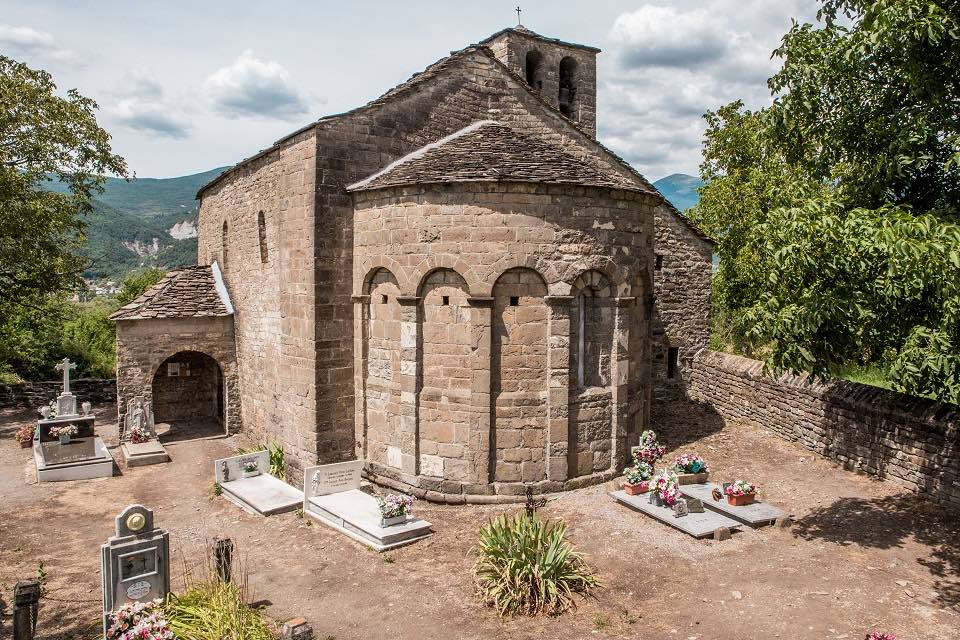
[[568, 86], [223, 247], [262, 233], [533, 67], [591, 331]]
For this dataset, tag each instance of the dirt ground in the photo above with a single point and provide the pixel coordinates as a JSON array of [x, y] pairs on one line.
[[862, 555]]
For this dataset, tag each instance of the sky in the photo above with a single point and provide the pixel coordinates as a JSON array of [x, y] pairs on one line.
[[184, 87]]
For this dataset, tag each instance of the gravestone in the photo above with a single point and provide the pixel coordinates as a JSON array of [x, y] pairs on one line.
[[85, 456], [332, 495], [755, 514], [698, 525], [255, 491], [135, 562], [140, 416]]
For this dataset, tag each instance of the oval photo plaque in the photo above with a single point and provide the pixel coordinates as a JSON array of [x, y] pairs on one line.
[[138, 590]]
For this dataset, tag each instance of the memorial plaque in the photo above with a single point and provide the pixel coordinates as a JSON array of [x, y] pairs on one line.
[[77, 450], [334, 478]]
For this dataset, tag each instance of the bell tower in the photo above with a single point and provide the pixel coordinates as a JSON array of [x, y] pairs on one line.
[[563, 73]]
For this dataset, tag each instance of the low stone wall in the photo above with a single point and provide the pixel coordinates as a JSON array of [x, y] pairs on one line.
[[910, 441], [33, 394]]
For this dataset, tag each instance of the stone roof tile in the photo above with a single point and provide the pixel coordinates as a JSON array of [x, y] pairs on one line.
[[491, 151], [190, 292]]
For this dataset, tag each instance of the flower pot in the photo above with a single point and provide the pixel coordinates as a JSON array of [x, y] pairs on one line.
[[64, 439], [739, 501], [389, 522], [251, 474], [693, 478], [636, 489]]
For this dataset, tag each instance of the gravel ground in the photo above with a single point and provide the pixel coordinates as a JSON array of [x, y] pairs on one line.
[[862, 554]]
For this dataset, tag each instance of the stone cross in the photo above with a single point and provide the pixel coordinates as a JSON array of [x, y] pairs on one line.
[[66, 366]]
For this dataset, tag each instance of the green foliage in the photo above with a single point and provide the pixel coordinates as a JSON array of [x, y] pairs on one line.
[[526, 566], [277, 463], [34, 338], [136, 283], [42, 134], [836, 208], [214, 610]]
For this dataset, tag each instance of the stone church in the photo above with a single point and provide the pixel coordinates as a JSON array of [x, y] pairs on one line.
[[455, 283]]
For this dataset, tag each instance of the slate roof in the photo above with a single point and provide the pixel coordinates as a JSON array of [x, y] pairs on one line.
[[491, 151], [190, 292], [536, 36]]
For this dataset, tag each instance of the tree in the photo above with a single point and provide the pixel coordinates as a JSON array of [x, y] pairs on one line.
[[836, 208], [136, 283], [45, 137]]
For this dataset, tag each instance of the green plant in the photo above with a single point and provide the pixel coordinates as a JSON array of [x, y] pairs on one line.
[[213, 610], [277, 464], [525, 565], [217, 489], [601, 621], [42, 578], [388, 559]]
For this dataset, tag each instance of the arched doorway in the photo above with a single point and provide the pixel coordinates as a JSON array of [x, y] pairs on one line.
[[189, 397]]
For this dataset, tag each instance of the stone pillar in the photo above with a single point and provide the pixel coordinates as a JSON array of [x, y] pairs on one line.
[[409, 383], [558, 401], [619, 381], [479, 464], [361, 319]]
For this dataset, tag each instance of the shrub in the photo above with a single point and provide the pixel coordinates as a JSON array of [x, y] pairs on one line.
[[213, 610], [526, 566]]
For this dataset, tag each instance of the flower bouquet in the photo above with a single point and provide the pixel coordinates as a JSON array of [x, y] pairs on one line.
[[64, 432], [691, 469], [740, 493], [139, 435], [877, 635], [24, 436], [48, 411], [665, 489], [394, 509], [139, 621], [638, 479], [649, 450], [250, 468]]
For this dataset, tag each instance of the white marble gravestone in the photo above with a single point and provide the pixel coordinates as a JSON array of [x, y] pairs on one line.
[[140, 414], [262, 493], [332, 495], [84, 457]]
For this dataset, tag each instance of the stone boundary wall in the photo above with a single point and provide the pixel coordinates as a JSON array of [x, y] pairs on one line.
[[910, 441], [33, 394]]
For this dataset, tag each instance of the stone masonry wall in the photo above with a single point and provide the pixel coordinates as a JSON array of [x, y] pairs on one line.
[[97, 391], [910, 441], [682, 293], [485, 275], [271, 287]]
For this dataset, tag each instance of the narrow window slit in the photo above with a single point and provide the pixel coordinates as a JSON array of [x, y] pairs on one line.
[[514, 301], [383, 299]]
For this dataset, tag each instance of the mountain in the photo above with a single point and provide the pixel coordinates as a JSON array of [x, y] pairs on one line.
[[145, 222], [680, 189]]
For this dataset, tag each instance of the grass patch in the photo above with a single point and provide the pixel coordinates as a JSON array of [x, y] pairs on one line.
[[213, 610], [526, 566]]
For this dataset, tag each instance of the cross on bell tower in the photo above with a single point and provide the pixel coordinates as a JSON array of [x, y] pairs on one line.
[[518, 10]]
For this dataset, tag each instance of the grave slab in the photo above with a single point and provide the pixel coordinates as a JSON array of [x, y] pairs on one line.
[[332, 496], [81, 459], [261, 494], [138, 454], [698, 525], [755, 515]]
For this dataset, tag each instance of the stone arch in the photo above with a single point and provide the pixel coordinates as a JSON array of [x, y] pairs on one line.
[[533, 69], [369, 268], [445, 380], [604, 265], [567, 95], [422, 271], [519, 377], [188, 391], [543, 268]]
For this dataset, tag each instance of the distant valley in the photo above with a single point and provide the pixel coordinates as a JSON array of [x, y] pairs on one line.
[[152, 222]]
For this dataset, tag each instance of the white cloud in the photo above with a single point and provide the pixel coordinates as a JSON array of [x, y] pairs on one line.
[[152, 118], [20, 42], [671, 64], [250, 87]]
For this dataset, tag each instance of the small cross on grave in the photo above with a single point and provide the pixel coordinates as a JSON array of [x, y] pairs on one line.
[[66, 366]]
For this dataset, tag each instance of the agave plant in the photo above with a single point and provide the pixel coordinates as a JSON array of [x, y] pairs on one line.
[[525, 565]]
